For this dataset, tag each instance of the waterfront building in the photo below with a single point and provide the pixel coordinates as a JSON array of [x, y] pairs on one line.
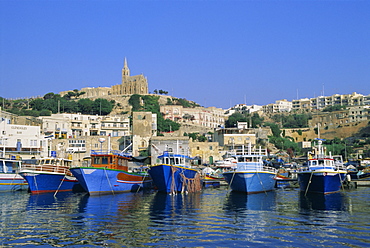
[[21, 140], [235, 138], [205, 152], [78, 125]]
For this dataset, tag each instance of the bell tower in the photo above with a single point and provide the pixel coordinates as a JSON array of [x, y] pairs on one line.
[[125, 71]]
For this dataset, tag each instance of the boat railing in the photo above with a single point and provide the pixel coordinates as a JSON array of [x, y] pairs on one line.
[[244, 152], [110, 152], [46, 168]]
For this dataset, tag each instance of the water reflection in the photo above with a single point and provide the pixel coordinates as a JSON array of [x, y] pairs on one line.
[[312, 201], [237, 201], [48, 201], [169, 206], [117, 219]]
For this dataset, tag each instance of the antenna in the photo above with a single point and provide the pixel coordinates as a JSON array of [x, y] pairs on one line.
[[323, 89]]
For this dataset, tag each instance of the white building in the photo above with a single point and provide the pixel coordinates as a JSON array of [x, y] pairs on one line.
[[22, 140], [78, 125]]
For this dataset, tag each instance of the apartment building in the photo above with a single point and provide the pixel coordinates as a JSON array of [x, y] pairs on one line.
[[322, 102], [205, 117], [277, 107], [78, 125]]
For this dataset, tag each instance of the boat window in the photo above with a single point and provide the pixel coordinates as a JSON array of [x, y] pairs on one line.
[[321, 162], [96, 160], [104, 160], [10, 167], [172, 160], [313, 162], [240, 159]]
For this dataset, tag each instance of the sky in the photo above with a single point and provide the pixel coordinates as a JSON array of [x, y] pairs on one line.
[[216, 53]]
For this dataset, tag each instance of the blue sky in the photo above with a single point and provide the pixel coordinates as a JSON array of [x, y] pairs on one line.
[[216, 53]]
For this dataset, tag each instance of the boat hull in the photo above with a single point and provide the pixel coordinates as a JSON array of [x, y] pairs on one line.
[[98, 181], [250, 182], [12, 182], [321, 182], [46, 183], [174, 179]]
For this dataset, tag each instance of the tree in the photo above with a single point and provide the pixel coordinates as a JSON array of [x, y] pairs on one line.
[[102, 106], [274, 129], [134, 101], [234, 119], [85, 106]]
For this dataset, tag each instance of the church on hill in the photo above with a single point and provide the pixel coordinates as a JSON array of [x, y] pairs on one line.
[[130, 85]]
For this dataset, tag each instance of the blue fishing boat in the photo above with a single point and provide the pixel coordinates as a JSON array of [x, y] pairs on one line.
[[108, 174], [323, 174], [49, 174], [174, 174], [251, 175], [9, 178]]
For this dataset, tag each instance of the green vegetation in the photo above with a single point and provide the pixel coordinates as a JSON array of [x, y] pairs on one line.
[[149, 103], [292, 120], [233, 119], [334, 108], [196, 137], [160, 92], [53, 103], [183, 102]]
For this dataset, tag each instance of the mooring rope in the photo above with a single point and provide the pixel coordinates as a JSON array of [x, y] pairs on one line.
[[110, 185], [309, 182], [59, 185]]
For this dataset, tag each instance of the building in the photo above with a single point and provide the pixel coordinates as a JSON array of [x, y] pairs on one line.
[[204, 117], [278, 107], [144, 127], [78, 125], [359, 113], [235, 138], [22, 141], [243, 109], [322, 102], [130, 85]]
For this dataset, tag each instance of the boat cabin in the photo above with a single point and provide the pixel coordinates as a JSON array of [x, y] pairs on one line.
[[320, 163], [174, 159], [110, 161], [9, 166]]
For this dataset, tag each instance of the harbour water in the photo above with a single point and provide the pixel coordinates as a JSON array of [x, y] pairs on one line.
[[211, 218]]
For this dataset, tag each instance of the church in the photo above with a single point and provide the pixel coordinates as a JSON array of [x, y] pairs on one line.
[[130, 85]]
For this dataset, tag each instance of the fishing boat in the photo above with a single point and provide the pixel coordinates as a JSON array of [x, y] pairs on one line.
[[227, 163], [174, 174], [251, 175], [9, 178], [108, 174], [211, 178], [323, 173], [48, 174]]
